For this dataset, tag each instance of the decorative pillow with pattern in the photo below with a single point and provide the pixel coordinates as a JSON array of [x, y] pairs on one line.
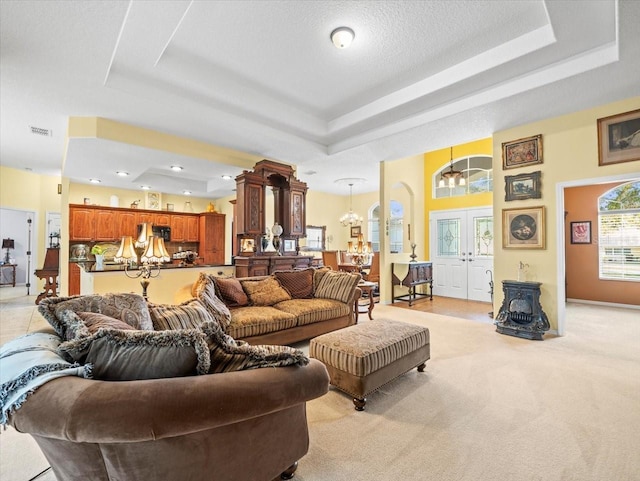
[[131, 355], [230, 291], [204, 290], [337, 285], [129, 308], [299, 284], [265, 292], [188, 315], [95, 321], [318, 274], [227, 354]]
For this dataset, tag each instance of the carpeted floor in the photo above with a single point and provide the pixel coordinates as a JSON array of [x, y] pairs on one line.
[[488, 407]]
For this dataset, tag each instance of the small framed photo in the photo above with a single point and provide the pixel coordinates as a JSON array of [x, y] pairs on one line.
[[290, 246], [522, 186], [522, 152], [355, 231], [170, 207], [153, 201], [523, 228], [581, 232], [247, 245], [619, 138]]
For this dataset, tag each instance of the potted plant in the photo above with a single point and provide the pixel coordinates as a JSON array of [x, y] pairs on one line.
[[98, 251]]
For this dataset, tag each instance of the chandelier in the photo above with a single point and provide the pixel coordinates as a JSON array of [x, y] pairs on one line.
[[360, 252], [451, 176], [351, 218]]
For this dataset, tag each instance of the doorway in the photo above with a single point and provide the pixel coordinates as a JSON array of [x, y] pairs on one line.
[[21, 226], [461, 250]]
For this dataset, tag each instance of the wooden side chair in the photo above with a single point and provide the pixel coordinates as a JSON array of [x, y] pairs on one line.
[[330, 259]]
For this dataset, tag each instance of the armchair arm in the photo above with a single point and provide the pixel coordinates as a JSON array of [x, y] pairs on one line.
[[84, 410]]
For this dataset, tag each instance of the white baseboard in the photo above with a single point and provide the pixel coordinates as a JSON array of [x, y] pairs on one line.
[[606, 304]]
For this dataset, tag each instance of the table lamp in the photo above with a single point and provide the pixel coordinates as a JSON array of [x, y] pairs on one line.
[[8, 244]]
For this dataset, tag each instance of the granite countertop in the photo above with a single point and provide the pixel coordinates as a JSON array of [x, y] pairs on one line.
[[88, 266]]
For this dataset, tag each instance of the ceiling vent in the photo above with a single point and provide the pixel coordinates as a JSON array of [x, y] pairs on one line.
[[41, 131]]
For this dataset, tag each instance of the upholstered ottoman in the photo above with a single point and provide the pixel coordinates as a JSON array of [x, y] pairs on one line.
[[364, 357]]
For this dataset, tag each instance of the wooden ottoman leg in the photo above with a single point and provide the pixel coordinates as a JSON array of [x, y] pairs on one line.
[[421, 367], [359, 403]]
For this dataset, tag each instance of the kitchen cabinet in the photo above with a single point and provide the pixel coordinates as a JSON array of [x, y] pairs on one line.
[[105, 226], [178, 228], [192, 228], [212, 238], [74, 279], [81, 223], [126, 224]]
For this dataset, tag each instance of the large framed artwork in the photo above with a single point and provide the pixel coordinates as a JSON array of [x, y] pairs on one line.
[[619, 138], [523, 228], [153, 200], [522, 186], [522, 152]]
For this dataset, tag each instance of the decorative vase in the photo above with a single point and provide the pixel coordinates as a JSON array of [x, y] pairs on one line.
[[276, 244], [264, 242], [413, 253], [99, 262]]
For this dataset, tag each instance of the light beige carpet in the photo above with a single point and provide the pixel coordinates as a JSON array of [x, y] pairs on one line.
[[488, 407]]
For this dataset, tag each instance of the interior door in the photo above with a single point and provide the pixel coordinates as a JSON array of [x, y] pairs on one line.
[[462, 253]]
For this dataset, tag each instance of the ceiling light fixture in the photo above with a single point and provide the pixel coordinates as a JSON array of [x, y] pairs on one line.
[[451, 176], [342, 37], [226, 177], [145, 187], [94, 181], [122, 173], [351, 218], [187, 192], [176, 168]]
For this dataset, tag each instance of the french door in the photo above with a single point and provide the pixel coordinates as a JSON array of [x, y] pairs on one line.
[[462, 253]]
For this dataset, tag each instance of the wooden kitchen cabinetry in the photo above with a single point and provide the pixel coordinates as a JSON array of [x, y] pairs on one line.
[[105, 225], [178, 228], [192, 228], [212, 237], [126, 224], [81, 223]]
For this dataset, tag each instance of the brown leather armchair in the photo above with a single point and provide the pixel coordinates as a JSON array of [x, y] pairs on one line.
[[244, 425]]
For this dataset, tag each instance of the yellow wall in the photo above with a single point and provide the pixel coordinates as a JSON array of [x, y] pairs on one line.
[[24, 190], [434, 161], [570, 153]]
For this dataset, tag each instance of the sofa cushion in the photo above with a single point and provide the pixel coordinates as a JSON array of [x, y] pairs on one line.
[[205, 291], [230, 291], [318, 274], [130, 355], [308, 311], [339, 286], [228, 354], [253, 321], [187, 315], [129, 308], [299, 284], [264, 292], [95, 321]]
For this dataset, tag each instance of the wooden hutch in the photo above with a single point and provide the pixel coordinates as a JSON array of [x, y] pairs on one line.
[[250, 220]]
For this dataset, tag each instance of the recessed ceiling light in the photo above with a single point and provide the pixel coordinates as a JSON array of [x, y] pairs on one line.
[[145, 187], [176, 168], [94, 181], [122, 173], [342, 37], [187, 192], [226, 177]]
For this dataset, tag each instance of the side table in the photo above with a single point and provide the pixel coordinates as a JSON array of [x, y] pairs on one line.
[[12, 268], [368, 288]]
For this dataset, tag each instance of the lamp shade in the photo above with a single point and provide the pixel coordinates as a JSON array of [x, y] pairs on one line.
[[8, 244], [155, 253], [146, 231], [126, 252]]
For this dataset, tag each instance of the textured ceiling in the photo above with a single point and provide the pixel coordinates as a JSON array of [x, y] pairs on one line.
[[263, 78]]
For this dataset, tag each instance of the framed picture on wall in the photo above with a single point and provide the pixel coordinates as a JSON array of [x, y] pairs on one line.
[[619, 138], [153, 200], [355, 231], [522, 152], [522, 186], [523, 228], [289, 246], [581, 232]]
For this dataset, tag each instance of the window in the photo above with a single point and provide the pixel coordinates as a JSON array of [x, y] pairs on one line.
[[619, 233], [315, 238], [478, 174], [394, 227]]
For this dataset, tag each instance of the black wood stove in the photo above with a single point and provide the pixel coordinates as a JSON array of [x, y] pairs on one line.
[[521, 314]]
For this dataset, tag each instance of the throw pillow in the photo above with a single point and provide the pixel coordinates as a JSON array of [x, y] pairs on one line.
[[318, 273], [337, 285], [205, 292], [129, 308], [265, 292], [230, 291], [299, 284], [188, 315], [95, 321], [130, 355], [227, 354]]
